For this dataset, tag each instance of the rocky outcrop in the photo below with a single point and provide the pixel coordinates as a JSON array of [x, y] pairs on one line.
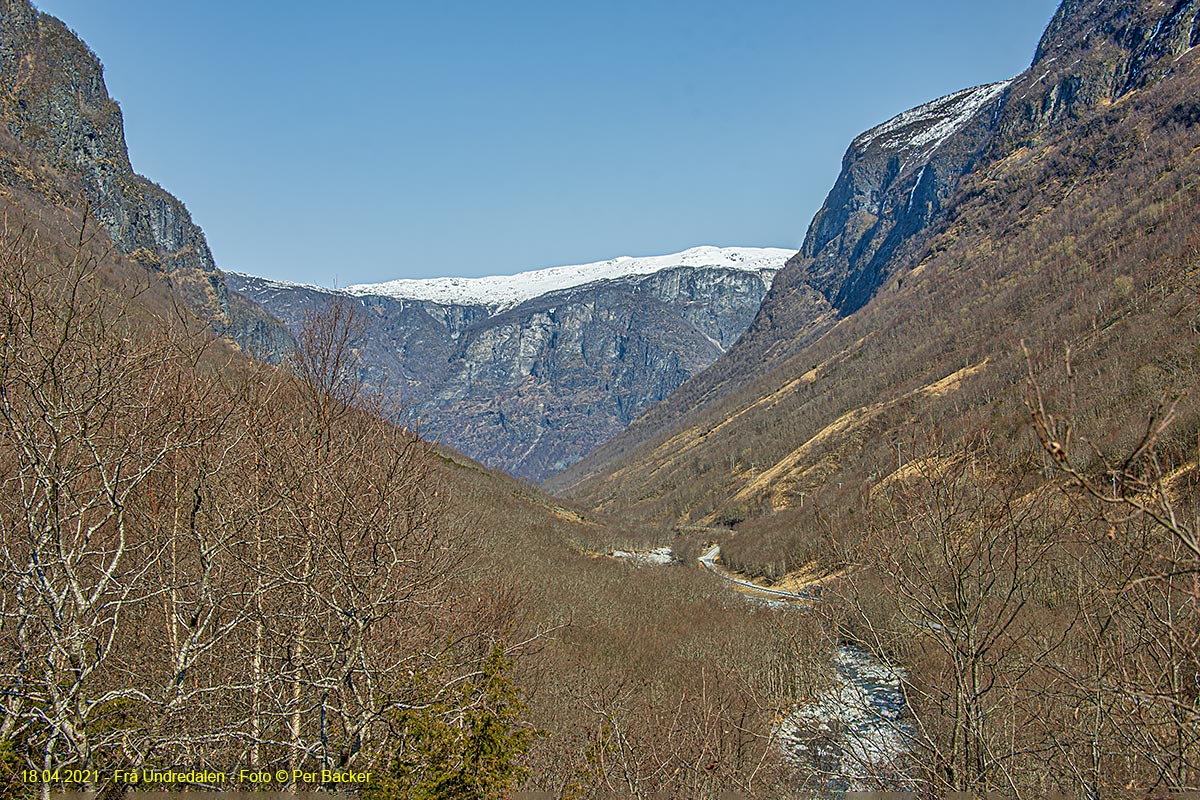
[[1094, 52], [899, 177], [531, 385], [894, 180], [56, 107]]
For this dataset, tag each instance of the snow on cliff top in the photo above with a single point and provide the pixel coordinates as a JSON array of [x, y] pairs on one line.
[[927, 126], [507, 291]]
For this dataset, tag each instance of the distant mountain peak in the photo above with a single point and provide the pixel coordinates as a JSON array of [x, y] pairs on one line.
[[501, 292]]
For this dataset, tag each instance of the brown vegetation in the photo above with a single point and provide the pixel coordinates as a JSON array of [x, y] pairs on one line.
[[212, 563], [1040, 587], [1050, 617]]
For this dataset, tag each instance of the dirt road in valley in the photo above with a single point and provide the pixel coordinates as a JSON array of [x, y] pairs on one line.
[[709, 560]]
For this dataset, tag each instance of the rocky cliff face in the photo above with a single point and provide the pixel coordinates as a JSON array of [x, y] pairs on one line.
[[530, 384], [894, 180], [55, 106], [1095, 52], [898, 178]]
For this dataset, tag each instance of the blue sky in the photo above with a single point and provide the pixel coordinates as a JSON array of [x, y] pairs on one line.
[[340, 143]]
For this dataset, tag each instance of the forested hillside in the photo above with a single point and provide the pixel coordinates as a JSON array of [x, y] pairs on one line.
[[936, 190], [998, 449], [217, 564]]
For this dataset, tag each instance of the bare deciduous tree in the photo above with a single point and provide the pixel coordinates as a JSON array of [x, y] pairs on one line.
[[204, 561]]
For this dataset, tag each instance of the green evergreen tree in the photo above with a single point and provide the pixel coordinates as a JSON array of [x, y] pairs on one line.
[[469, 745], [10, 765]]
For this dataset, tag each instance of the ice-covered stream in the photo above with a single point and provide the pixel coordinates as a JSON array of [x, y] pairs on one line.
[[854, 735]]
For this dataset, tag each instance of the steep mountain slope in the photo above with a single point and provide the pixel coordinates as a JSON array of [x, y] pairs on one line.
[[56, 109], [1050, 212], [529, 373], [894, 182]]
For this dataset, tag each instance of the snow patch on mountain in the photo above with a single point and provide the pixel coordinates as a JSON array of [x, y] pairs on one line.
[[500, 292], [926, 127], [271, 286]]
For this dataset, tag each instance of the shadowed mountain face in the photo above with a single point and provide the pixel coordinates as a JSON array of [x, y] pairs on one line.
[[57, 116], [530, 384], [946, 238]]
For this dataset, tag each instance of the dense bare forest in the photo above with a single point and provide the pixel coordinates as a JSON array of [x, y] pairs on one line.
[[997, 454], [980, 487], [218, 564]]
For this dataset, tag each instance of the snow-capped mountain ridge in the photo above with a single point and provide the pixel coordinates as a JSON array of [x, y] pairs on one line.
[[501, 292], [530, 372]]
